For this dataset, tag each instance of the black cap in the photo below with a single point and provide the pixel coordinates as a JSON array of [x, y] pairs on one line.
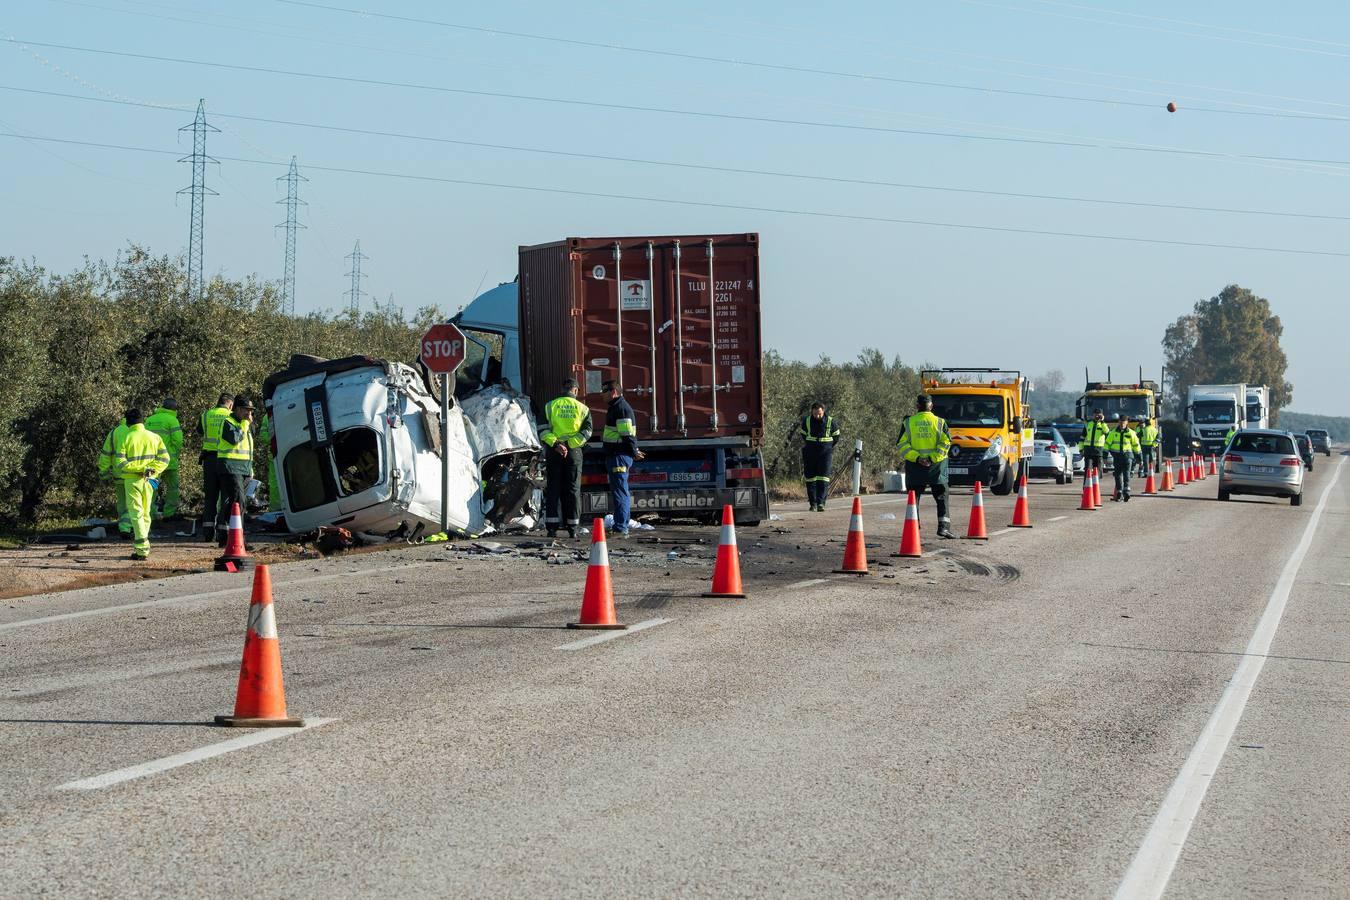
[[242, 402]]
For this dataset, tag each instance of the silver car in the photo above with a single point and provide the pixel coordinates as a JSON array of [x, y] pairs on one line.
[[1053, 458], [1262, 461]]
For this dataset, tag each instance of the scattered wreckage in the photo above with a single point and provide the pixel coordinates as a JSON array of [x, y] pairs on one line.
[[357, 444]]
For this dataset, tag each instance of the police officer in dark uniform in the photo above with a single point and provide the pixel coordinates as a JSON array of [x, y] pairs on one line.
[[819, 433], [621, 450]]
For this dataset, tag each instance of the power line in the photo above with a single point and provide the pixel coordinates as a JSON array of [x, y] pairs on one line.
[[831, 179], [785, 67], [292, 204], [1087, 144], [673, 201], [1192, 24], [198, 192]]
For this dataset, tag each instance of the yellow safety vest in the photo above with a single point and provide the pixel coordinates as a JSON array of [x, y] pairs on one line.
[[1094, 435], [142, 453], [569, 421], [831, 433], [924, 435], [1148, 436], [212, 421], [243, 450], [1122, 441]]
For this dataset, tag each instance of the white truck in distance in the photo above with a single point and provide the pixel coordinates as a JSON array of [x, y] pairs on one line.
[[1212, 410], [1258, 406]]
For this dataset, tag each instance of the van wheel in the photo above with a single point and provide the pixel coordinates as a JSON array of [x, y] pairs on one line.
[[1005, 485], [1223, 495], [1296, 500], [1060, 478]]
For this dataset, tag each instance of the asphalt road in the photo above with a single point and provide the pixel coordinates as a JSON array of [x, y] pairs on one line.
[[997, 719]]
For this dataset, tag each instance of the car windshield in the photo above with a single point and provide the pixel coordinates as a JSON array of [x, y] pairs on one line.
[[1262, 443], [1253, 411], [1135, 407], [969, 410], [1212, 412], [1072, 432]]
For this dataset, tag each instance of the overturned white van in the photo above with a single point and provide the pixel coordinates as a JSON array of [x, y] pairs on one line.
[[357, 443]]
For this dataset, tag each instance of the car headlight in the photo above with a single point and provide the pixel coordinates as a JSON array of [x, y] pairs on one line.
[[995, 449]]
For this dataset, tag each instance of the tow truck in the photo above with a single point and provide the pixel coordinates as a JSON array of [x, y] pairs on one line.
[[990, 424]]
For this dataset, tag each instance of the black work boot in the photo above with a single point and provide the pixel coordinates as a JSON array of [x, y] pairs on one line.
[[945, 530]]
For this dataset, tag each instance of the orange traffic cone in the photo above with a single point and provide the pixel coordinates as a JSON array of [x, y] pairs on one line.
[[1168, 484], [261, 699], [1214, 464], [976, 531], [1022, 510], [1183, 472], [597, 601], [1197, 474], [855, 550], [727, 570], [1150, 486], [1097, 487], [1087, 503], [910, 544], [235, 558]]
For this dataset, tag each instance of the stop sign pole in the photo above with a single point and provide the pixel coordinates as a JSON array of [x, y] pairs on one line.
[[442, 352]]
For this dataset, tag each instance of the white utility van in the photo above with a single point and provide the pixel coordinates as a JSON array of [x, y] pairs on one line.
[[357, 443]]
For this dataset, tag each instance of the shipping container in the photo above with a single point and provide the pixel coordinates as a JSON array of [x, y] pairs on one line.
[[675, 319]]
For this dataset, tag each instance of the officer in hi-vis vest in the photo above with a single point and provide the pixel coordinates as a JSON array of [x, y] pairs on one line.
[[819, 435], [924, 444], [564, 434]]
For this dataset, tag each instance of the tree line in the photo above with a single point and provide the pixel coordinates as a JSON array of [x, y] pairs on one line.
[[78, 349]]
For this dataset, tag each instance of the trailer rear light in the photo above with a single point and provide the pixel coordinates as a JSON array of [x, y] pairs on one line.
[[1232, 457], [1290, 461], [745, 474], [595, 479]]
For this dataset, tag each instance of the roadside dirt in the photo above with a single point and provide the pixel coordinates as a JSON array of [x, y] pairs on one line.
[[63, 565]]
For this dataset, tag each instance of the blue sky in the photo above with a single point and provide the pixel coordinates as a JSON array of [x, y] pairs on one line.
[[1252, 79]]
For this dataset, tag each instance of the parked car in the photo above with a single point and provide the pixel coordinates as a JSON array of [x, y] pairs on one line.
[[1305, 449], [1072, 432], [1051, 457], [1263, 462], [1321, 440]]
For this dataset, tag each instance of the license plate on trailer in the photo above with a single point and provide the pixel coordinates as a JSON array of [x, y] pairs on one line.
[[958, 470], [1261, 470]]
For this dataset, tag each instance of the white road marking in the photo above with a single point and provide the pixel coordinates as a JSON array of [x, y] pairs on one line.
[[1056, 518], [995, 534], [807, 583], [261, 736], [1152, 866], [602, 636], [224, 592]]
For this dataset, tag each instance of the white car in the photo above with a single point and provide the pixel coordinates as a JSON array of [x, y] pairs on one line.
[[1052, 456]]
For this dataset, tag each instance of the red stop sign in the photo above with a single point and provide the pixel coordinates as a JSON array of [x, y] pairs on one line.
[[442, 348]]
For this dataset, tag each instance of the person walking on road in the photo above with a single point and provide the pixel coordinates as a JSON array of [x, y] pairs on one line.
[[621, 451], [924, 444], [565, 433], [1149, 437], [139, 461], [209, 427], [1093, 445], [819, 434], [107, 470], [1123, 444], [164, 422], [235, 462]]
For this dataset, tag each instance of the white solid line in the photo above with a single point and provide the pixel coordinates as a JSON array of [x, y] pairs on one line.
[[1056, 518], [1152, 866], [261, 736], [601, 637], [807, 583], [169, 601]]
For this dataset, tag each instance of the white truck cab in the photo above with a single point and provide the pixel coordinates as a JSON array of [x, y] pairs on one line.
[[357, 443]]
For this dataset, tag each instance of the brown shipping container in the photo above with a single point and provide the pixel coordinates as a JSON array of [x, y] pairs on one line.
[[600, 308]]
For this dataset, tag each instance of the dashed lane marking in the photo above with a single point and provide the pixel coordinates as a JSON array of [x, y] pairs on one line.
[[186, 598], [807, 583], [1057, 519], [154, 767], [994, 534], [1152, 866], [602, 636]]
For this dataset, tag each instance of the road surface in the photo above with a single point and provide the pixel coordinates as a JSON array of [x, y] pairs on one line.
[[1152, 697]]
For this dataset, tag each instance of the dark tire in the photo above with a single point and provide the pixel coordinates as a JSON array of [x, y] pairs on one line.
[[752, 523], [1223, 496], [1061, 478], [1005, 485], [1296, 500]]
